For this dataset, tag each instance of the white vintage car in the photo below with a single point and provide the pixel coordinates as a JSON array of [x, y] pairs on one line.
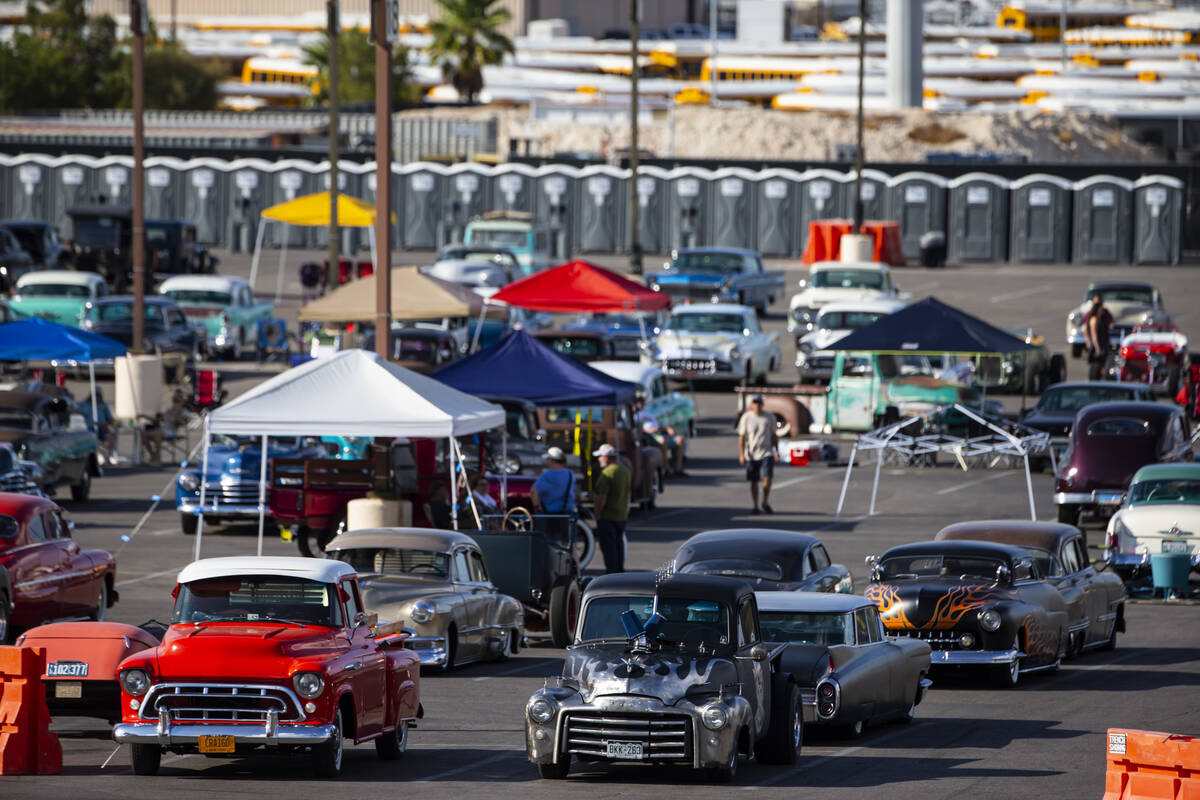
[[833, 281], [1161, 514], [716, 341], [813, 360], [1131, 303]]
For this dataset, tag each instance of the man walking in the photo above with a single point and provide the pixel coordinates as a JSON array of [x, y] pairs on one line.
[[1097, 324], [756, 451], [612, 507]]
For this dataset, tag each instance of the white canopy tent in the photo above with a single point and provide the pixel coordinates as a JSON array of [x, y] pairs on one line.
[[351, 393]]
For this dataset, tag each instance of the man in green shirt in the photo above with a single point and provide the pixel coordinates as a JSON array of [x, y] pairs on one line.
[[612, 507]]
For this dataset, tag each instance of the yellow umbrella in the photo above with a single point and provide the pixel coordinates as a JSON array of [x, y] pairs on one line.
[[313, 210]]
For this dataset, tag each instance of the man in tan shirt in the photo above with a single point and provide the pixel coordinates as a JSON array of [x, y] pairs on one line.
[[756, 451]]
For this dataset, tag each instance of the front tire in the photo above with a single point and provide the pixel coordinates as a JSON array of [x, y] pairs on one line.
[[724, 774], [146, 758], [328, 757], [555, 772], [80, 492], [189, 523], [1068, 514], [564, 607], [785, 732], [392, 746], [5, 619], [1076, 350], [1009, 675], [101, 609]]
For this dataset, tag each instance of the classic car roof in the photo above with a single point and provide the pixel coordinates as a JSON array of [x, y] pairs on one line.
[[20, 504], [739, 251], [411, 538], [962, 547], [699, 587], [622, 583], [314, 569], [202, 282], [709, 308], [777, 546], [1144, 410], [632, 371], [814, 602], [1168, 472], [886, 306], [1021, 532], [59, 276], [1139, 387], [820, 266]]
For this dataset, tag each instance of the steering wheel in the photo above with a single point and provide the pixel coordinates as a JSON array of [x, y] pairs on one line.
[[518, 519], [426, 569]]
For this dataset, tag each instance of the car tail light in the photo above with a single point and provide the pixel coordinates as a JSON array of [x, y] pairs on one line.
[[1111, 540]]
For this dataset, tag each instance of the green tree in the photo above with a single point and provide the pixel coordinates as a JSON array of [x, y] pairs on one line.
[[174, 80], [466, 38], [356, 71]]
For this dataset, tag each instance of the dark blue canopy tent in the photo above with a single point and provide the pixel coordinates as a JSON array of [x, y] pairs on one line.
[[41, 340], [931, 326], [520, 366]]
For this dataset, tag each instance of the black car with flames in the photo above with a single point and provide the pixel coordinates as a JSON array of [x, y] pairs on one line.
[[978, 604], [667, 671]]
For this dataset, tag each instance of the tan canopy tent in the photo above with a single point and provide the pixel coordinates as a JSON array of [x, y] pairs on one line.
[[415, 295], [312, 210]]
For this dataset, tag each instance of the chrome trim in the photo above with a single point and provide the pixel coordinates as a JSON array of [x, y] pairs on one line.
[[279, 697], [165, 734], [837, 697], [1087, 498], [1079, 626], [974, 657], [435, 653]]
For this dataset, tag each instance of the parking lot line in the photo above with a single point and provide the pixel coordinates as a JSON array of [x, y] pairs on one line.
[[779, 776], [467, 768], [148, 577], [976, 482], [802, 479], [1032, 290], [514, 671]]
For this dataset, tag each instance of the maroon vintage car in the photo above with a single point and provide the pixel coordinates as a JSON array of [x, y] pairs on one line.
[[1153, 354], [1109, 442], [44, 573]]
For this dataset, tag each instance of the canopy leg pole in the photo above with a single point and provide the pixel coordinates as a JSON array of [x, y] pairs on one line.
[[643, 342], [875, 486], [503, 469], [453, 485], [203, 483], [374, 249], [1029, 487], [262, 492], [846, 482], [479, 326], [92, 382], [282, 262], [258, 240], [467, 487]]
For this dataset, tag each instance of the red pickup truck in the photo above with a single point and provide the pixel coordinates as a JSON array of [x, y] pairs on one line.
[[270, 655]]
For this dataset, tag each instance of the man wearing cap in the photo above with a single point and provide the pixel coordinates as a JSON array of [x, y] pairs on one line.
[[554, 490], [756, 451], [612, 507]]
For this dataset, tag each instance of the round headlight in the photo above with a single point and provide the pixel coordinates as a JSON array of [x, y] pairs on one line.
[[135, 682], [308, 684], [654, 287], [734, 354], [189, 481], [541, 710], [806, 347], [714, 716], [966, 641], [989, 620], [422, 611], [512, 466]]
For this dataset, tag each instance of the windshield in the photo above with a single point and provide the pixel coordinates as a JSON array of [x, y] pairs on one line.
[[806, 628], [1141, 295], [123, 312], [397, 561], [687, 621], [935, 566], [582, 347], [97, 231], [706, 323], [513, 240], [67, 290], [199, 297], [17, 418], [1177, 490], [1071, 399], [1120, 426], [252, 598], [1043, 559], [735, 568], [847, 279], [853, 320], [724, 263], [29, 239]]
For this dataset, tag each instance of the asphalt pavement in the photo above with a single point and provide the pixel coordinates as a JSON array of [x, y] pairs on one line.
[[1043, 738]]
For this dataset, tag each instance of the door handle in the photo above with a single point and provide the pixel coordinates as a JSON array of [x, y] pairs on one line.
[[353, 666]]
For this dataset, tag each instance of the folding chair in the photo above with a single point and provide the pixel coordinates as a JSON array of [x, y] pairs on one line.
[[208, 393], [272, 338]]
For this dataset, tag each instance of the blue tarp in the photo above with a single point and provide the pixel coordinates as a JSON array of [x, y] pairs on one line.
[[41, 340], [520, 366], [931, 326]]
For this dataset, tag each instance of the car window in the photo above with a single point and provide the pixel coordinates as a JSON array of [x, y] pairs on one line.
[[747, 623], [54, 526], [461, 570], [857, 367], [37, 531], [178, 320], [1120, 426], [352, 604], [862, 631], [874, 623], [478, 569], [820, 557], [1023, 570], [1070, 558]]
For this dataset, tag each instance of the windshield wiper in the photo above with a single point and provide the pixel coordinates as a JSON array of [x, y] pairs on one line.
[[247, 618]]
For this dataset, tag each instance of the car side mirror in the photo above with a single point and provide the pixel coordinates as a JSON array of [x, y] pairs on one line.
[[802, 283], [1003, 574], [364, 618], [540, 435], [757, 653], [872, 562]]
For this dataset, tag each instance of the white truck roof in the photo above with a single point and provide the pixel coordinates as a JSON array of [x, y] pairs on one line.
[[876, 266], [313, 569], [59, 276], [877, 306]]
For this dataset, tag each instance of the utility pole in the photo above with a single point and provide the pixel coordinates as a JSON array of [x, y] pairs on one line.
[[138, 25], [712, 51], [385, 18], [635, 256], [858, 145], [1062, 34], [334, 30]]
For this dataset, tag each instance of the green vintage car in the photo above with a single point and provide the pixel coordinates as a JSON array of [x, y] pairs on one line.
[[57, 295], [671, 409], [224, 307]]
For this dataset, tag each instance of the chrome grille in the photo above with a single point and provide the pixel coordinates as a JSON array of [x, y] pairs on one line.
[[707, 366], [819, 363], [203, 702], [662, 737], [240, 493], [938, 640]]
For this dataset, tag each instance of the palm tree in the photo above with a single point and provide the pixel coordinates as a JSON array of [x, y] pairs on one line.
[[356, 71], [465, 39]]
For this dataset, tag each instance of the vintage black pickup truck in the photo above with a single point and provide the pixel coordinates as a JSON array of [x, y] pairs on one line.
[[46, 431]]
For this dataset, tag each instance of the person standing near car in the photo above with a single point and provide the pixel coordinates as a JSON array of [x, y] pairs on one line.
[[756, 451], [612, 507], [1097, 326], [554, 490]]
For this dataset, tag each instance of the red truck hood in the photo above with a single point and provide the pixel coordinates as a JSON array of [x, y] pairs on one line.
[[242, 650]]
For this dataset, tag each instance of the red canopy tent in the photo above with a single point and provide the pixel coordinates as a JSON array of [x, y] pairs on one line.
[[578, 286]]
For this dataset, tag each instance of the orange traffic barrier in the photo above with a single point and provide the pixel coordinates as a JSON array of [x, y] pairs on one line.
[[1148, 765], [825, 240], [27, 747]]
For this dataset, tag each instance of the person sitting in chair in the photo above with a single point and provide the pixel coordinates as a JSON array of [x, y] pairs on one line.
[[437, 507]]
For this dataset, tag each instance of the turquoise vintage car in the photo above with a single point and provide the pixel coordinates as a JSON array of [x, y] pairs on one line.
[[57, 295], [224, 307], [671, 409]]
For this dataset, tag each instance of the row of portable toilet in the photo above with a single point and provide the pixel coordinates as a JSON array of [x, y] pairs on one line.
[[1039, 218]]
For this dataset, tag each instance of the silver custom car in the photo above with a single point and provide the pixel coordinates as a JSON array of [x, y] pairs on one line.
[[436, 583], [1131, 303], [718, 341], [848, 671]]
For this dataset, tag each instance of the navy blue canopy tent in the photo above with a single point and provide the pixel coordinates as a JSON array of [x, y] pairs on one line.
[[931, 326], [518, 365], [41, 340]]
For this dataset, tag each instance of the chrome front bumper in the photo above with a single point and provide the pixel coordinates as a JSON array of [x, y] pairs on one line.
[[432, 650], [973, 658], [223, 510], [272, 733], [1096, 498], [1136, 561]]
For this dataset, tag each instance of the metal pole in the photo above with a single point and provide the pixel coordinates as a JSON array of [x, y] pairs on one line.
[[334, 31], [858, 147], [92, 381], [282, 262], [203, 483], [503, 468], [846, 482], [712, 51], [262, 492], [1062, 34], [635, 255], [258, 242], [383, 177], [453, 485], [137, 26]]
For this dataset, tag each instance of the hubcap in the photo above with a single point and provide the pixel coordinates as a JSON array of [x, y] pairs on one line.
[[797, 729], [402, 736], [337, 742]]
